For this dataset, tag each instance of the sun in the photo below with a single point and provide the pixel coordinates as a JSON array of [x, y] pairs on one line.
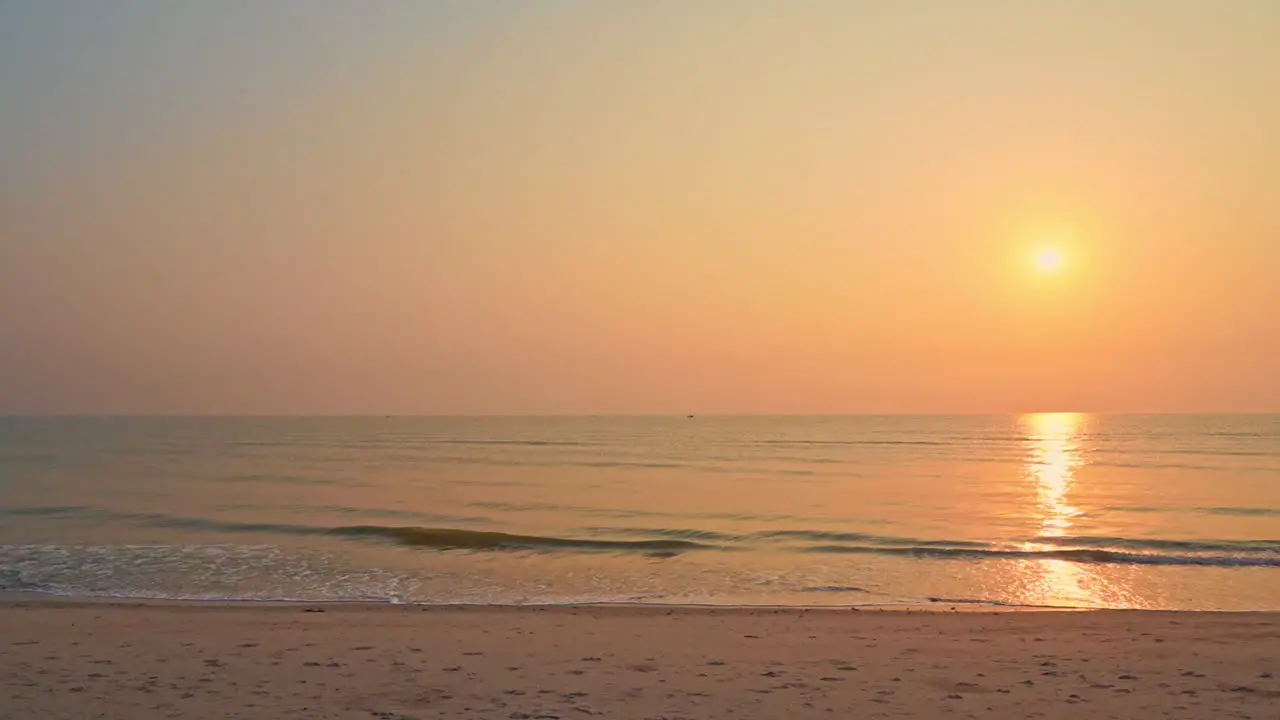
[[1049, 260]]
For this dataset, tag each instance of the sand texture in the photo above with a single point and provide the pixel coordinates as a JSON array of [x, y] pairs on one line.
[[97, 660]]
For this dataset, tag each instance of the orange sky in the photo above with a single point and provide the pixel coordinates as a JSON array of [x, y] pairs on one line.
[[635, 207]]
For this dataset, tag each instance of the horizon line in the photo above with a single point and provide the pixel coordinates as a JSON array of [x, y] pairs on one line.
[[685, 415]]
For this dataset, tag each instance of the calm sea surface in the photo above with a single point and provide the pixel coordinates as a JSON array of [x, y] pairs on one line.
[[1176, 512]]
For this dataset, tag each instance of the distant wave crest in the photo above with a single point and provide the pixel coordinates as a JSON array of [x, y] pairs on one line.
[[1076, 555], [1217, 510], [454, 539], [669, 542]]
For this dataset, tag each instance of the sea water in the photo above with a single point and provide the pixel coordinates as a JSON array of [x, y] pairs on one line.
[[1170, 512]]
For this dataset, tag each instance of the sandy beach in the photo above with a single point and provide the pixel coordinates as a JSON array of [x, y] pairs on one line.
[[70, 659]]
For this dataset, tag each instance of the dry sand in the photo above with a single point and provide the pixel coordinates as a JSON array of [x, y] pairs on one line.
[[98, 660]]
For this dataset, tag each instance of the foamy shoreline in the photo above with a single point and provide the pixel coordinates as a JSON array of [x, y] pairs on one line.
[[929, 605], [72, 657]]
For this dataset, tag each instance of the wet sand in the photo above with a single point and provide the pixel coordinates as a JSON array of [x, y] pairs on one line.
[[72, 659]]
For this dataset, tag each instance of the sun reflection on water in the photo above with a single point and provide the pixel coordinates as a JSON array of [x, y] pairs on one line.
[[1054, 455]]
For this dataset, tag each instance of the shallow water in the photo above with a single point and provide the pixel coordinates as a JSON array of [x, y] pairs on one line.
[[1176, 512]]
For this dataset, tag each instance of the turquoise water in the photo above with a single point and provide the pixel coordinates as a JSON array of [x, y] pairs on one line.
[[1175, 512]]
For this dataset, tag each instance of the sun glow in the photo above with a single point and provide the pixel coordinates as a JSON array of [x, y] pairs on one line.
[[1049, 260]]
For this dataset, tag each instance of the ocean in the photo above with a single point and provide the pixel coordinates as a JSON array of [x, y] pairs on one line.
[[1057, 510]]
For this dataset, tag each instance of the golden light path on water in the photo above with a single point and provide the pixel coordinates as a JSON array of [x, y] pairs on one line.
[[1055, 454], [1053, 457]]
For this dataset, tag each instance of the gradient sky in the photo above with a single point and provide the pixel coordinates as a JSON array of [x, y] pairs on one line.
[[575, 206]]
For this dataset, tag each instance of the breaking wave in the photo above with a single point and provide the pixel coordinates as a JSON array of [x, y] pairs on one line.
[[669, 542], [1079, 555], [454, 539]]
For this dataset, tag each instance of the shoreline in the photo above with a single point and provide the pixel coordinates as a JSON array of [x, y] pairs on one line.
[[29, 597], [33, 600], [10, 598]]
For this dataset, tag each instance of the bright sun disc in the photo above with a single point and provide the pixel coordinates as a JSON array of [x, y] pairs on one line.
[[1049, 260]]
